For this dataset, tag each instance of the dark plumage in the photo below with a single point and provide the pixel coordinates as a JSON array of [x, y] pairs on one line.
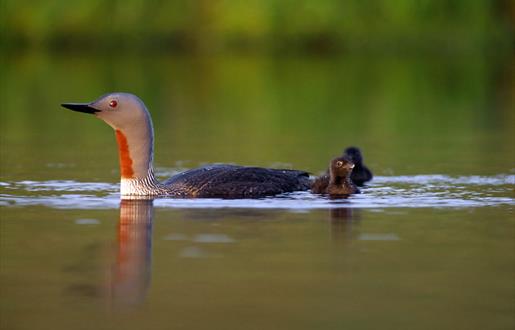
[[360, 173], [338, 181], [231, 181]]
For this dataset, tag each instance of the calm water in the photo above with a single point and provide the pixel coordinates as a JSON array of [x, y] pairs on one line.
[[428, 244]]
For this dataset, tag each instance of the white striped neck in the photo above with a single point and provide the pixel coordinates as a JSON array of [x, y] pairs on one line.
[[147, 185]]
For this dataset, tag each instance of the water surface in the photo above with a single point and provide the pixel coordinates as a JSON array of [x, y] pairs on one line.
[[428, 244]]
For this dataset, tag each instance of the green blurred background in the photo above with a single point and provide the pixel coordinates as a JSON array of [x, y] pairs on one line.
[[422, 86], [260, 25]]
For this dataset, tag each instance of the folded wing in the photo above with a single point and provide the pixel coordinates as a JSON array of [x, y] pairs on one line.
[[231, 181]]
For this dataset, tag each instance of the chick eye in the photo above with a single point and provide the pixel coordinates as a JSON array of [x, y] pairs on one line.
[[113, 104], [339, 163]]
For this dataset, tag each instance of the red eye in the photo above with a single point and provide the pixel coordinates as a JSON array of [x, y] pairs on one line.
[[113, 104]]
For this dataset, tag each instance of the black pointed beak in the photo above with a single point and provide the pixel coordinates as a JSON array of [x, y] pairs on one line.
[[80, 107]]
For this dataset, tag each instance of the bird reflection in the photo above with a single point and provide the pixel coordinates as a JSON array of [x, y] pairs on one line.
[[131, 272], [343, 219]]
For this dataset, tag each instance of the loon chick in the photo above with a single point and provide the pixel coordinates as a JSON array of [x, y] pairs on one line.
[[132, 123], [360, 173], [338, 181]]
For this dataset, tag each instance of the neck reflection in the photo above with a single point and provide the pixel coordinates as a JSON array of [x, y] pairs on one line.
[[131, 272]]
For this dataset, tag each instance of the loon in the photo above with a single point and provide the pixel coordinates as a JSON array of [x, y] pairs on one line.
[[131, 121], [360, 173], [338, 182]]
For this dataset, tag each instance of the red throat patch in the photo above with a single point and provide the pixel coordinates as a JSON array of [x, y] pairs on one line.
[[126, 170]]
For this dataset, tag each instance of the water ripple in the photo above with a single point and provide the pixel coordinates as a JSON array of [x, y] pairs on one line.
[[437, 191]]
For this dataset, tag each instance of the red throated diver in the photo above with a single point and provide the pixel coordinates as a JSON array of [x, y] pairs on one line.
[[338, 181], [132, 123]]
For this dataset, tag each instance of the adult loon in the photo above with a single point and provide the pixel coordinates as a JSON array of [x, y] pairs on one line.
[[132, 123], [338, 181]]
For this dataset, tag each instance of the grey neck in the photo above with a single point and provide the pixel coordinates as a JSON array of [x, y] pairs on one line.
[[140, 143]]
